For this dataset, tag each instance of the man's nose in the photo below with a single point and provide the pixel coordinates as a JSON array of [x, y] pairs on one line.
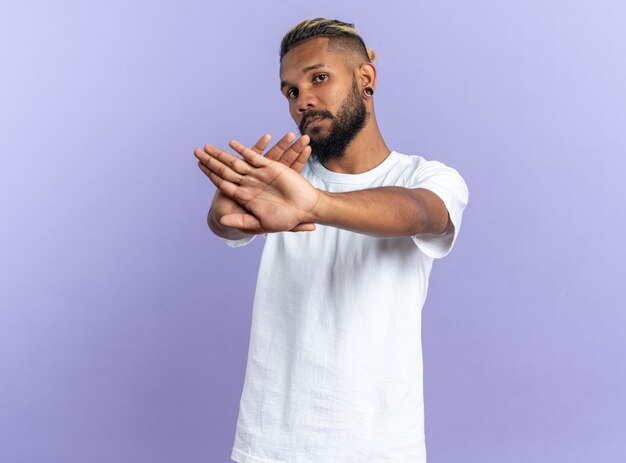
[[306, 100]]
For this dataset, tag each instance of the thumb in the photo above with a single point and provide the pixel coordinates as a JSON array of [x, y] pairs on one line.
[[303, 227], [240, 220]]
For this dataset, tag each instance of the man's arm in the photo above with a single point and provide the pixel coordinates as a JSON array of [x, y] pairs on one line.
[[277, 198], [384, 211]]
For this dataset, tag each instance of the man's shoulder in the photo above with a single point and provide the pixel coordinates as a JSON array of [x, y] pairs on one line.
[[407, 164], [412, 159], [416, 162], [416, 171]]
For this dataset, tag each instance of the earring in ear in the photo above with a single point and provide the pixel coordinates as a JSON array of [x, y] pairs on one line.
[[368, 92]]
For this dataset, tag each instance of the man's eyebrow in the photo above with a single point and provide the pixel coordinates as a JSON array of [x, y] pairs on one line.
[[284, 83]]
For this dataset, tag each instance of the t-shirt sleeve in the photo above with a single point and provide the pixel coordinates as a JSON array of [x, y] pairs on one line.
[[448, 184], [239, 242]]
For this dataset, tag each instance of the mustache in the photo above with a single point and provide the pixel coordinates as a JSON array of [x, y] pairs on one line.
[[313, 113]]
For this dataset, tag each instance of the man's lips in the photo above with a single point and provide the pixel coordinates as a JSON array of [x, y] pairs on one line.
[[313, 120]]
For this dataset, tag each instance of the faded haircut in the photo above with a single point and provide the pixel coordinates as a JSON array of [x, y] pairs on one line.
[[342, 36]]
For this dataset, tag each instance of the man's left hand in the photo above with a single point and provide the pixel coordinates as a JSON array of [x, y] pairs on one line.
[[277, 197]]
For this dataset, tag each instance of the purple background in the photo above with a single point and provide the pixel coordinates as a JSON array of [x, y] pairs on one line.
[[124, 323]]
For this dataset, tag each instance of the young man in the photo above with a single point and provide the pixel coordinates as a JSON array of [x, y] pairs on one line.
[[334, 371]]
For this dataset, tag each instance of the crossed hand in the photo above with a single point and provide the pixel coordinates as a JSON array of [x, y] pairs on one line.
[[261, 193]]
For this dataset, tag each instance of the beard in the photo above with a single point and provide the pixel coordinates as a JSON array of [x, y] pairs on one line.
[[350, 119]]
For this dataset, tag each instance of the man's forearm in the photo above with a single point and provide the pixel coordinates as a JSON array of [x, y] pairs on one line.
[[385, 211]]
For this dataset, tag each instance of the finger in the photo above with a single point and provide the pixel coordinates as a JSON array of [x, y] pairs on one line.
[[252, 231], [260, 145], [206, 171], [279, 148], [300, 161], [220, 169], [303, 227], [199, 154], [236, 164], [226, 187], [295, 150], [241, 221], [254, 159]]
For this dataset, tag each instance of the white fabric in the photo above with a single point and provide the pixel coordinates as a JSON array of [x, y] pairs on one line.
[[334, 371]]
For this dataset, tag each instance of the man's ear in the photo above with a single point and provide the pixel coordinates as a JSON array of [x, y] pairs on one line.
[[367, 75]]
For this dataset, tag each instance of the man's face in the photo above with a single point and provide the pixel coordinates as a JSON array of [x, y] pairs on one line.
[[324, 98]]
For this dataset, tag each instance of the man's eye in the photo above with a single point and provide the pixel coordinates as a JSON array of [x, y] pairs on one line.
[[320, 77], [292, 93]]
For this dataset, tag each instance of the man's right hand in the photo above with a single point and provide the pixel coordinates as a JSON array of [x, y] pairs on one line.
[[293, 155]]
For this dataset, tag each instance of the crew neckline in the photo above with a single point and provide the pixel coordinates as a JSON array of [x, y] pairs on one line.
[[363, 177]]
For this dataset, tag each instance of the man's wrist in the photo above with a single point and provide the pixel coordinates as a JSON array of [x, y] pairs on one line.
[[319, 211]]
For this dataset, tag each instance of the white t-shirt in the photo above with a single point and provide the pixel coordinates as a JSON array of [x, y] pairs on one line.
[[334, 370]]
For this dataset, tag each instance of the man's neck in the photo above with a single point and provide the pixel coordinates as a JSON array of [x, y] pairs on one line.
[[365, 151]]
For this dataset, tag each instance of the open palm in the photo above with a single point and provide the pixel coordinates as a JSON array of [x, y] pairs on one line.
[[292, 155], [276, 197]]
